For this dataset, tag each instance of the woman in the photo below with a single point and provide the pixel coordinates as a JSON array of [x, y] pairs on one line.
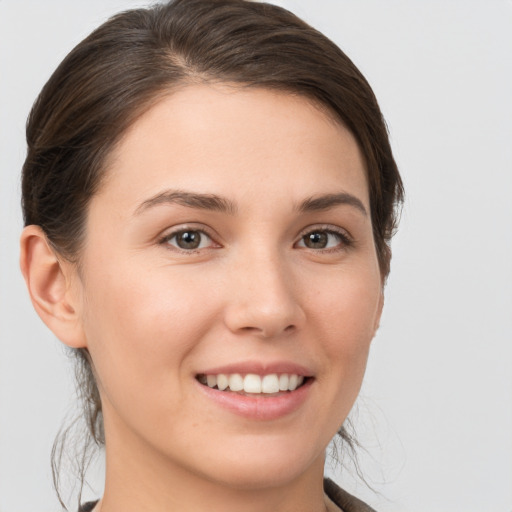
[[209, 194]]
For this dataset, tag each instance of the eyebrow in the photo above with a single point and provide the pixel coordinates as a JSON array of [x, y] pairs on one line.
[[328, 201], [217, 203], [210, 202]]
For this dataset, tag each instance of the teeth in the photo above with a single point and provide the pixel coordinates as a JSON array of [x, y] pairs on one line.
[[222, 381], [270, 384], [236, 382], [253, 383]]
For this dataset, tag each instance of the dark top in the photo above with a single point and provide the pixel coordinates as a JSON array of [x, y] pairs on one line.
[[341, 498], [87, 507]]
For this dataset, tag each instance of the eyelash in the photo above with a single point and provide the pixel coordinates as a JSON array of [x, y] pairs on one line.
[[344, 240], [165, 240]]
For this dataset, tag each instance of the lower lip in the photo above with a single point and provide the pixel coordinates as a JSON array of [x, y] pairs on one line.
[[259, 407]]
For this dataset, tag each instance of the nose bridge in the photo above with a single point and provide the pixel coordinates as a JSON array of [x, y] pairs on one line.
[[263, 298]]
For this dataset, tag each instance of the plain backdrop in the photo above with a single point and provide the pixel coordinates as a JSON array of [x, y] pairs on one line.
[[435, 416]]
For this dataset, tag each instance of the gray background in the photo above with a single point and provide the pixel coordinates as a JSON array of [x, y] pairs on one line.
[[435, 414]]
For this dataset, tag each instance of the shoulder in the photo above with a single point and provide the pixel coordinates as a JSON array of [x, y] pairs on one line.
[[345, 501]]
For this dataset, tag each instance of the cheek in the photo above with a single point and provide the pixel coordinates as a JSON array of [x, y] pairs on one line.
[[140, 326], [348, 315], [145, 307]]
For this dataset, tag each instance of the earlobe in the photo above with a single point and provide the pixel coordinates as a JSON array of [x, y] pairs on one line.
[[48, 281]]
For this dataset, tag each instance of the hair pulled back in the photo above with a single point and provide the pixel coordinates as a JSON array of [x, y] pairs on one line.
[[134, 59]]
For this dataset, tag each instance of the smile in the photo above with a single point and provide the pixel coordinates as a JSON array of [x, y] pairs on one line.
[[253, 384], [257, 390]]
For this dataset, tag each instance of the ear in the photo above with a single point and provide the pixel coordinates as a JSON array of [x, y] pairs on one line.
[[52, 287]]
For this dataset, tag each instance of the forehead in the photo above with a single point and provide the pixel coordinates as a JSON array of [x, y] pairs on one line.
[[205, 136]]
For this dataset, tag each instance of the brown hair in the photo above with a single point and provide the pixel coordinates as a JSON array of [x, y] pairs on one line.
[[136, 57]]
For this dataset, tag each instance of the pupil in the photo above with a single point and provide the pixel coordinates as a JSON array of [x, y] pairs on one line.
[[189, 240], [316, 240]]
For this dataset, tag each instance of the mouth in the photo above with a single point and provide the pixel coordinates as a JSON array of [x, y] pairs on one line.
[[251, 384], [258, 391]]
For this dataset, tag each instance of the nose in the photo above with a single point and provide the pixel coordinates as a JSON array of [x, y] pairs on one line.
[[263, 298]]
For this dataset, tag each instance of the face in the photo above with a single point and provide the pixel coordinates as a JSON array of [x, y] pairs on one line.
[[230, 286]]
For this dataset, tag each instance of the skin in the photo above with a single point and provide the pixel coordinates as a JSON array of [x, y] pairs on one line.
[[153, 315]]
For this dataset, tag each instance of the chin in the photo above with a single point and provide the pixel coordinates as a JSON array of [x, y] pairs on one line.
[[258, 478], [261, 467]]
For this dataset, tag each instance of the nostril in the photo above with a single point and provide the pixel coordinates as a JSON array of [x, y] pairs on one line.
[[269, 332]]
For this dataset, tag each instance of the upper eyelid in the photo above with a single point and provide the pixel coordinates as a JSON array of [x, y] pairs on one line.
[[170, 232], [325, 227]]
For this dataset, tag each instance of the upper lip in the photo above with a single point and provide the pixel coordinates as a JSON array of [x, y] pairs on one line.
[[259, 368]]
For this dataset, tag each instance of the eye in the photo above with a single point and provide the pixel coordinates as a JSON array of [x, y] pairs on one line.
[[188, 240], [322, 239]]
